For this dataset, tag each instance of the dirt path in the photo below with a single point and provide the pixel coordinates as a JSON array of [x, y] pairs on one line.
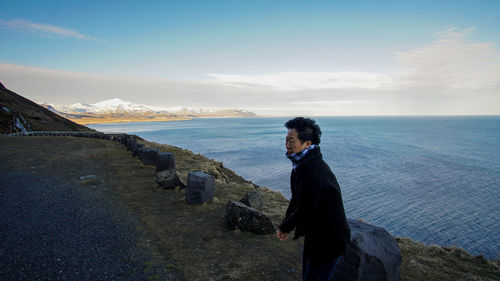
[[54, 226], [53, 231]]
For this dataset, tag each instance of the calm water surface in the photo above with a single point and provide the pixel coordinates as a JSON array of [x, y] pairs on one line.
[[434, 179]]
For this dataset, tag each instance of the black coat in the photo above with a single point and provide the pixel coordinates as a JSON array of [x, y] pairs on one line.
[[316, 209]]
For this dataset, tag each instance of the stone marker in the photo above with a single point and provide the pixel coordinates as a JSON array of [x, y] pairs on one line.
[[372, 254], [131, 143], [200, 188], [165, 161], [136, 148], [252, 199], [239, 215], [148, 155], [123, 139], [168, 179]]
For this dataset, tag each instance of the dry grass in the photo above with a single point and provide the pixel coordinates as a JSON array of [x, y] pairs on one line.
[[193, 239], [435, 263]]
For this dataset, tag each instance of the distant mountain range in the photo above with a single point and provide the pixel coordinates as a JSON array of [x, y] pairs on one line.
[[108, 106], [118, 110]]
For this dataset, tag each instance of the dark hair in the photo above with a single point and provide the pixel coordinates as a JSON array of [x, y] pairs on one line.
[[306, 128]]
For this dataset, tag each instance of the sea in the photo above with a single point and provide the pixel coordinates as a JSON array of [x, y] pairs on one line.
[[433, 179]]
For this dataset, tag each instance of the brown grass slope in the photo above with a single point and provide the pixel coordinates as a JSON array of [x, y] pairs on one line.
[[17, 109], [194, 240]]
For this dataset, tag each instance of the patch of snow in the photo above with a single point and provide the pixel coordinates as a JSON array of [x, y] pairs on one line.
[[19, 125]]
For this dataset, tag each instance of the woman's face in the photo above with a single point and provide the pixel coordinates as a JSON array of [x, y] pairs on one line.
[[293, 143]]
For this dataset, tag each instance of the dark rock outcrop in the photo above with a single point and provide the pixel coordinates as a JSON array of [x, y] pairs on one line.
[[169, 179], [239, 215], [252, 199], [20, 115], [373, 254], [200, 188]]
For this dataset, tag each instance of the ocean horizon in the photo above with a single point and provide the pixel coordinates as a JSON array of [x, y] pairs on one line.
[[435, 179]]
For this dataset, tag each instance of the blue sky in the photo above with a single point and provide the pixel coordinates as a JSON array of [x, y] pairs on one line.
[[272, 57]]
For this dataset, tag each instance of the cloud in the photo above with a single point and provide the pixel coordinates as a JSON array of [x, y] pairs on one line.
[[43, 29], [307, 80], [65, 87], [452, 62]]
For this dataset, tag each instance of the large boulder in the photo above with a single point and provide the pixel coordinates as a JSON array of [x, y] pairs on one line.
[[200, 188], [169, 179], [239, 215], [252, 199], [373, 254]]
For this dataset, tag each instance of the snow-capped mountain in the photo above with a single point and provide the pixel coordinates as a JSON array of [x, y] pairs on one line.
[[119, 110], [109, 106]]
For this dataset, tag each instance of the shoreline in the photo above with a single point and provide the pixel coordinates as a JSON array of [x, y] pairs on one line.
[[447, 248], [487, 251], [125, 178]]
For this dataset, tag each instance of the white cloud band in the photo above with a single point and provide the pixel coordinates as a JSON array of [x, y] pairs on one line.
[[43, 29], [308, 80], [452, 62]]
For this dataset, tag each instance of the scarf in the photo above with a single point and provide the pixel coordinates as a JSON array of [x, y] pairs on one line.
[[297, 157]]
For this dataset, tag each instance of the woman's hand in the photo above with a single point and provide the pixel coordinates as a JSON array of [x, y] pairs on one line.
[[281, 235]]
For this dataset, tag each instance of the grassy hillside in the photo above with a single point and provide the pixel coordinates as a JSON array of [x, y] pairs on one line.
[[194, 240], [18, 113]]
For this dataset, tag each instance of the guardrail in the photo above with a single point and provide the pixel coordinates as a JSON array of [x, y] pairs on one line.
[[34, 133], [81, 134]]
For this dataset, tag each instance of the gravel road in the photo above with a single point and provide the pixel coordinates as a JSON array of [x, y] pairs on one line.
[[50, 230]]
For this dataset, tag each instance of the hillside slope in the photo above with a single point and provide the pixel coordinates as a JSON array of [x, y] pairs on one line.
[[193, 241], [19, 114]]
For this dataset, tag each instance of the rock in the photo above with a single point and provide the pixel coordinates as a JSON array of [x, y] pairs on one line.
[[136, 148], [148, 155], [239, 215], [168, 179], [200, 188], [131, 143], [88, 177], [123, 139], [252, 199], [165, 161], [372, 254]]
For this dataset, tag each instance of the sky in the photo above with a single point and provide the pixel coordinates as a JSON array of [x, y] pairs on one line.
[[276, 58]]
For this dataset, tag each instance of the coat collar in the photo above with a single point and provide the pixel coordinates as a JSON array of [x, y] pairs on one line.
[[304, 156]]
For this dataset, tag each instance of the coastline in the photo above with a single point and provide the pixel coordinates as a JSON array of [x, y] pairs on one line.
[[227, 141], [214, 252]]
